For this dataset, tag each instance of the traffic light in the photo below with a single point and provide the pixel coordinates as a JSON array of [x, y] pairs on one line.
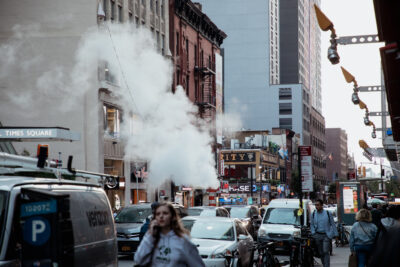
[[359, 170], [364, 171], [382, 172]]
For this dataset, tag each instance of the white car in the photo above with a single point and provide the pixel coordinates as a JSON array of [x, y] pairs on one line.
[[220, 237]]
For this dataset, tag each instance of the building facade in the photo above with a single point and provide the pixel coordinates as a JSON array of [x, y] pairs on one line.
[[195, 47], [53, 42], [300, 47], [319, 154], [336, 143]]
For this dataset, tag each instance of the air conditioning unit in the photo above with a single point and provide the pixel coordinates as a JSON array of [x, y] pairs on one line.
[[234, 144]]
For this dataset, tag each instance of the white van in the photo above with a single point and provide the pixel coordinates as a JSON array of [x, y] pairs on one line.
[[281, 222], [47, 220]]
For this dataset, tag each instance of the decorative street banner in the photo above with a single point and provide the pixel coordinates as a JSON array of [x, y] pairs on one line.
[[306, 169]]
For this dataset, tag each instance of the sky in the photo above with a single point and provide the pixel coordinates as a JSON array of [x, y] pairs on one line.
[[350, 18]]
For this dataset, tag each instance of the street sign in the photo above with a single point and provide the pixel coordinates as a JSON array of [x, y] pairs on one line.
[[36, 231], [306, 169]]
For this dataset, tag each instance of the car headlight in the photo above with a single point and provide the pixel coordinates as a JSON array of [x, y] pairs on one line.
[[262, 232], [221, 254], [297, 234]]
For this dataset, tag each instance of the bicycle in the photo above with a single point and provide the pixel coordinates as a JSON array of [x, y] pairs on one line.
[[344, 235], [265, 257], [302, 252]]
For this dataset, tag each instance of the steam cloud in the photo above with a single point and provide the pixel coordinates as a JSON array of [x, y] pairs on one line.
[[158, 126]]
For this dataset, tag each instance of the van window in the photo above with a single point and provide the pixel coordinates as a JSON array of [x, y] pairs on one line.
[[282, 216], [3, 210], [133, 215]]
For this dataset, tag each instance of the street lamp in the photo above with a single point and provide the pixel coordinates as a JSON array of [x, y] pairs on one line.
[[325, 24]]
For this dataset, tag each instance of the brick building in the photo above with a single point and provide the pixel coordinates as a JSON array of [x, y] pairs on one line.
[[195, 43], [336, 143]]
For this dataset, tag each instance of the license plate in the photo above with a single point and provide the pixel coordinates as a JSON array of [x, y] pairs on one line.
[[126, 248]]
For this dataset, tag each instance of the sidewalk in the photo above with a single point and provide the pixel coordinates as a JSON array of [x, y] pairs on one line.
[[339, 258]]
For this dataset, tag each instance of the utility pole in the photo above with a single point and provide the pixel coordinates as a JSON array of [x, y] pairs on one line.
[[251, 182], [381, 175]]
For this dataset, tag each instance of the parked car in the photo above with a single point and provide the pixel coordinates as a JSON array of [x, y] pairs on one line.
[[219, 237], [281, 222], [208, 211], [129, 221]]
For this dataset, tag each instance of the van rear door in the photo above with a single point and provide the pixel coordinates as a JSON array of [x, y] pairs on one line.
[[45, 228]]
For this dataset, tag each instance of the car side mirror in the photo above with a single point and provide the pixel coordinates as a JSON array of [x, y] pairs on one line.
[[242, 237]]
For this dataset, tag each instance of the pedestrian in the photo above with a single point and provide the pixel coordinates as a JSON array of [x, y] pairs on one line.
[[146, 223], [386, 252], [376, 215], [167, 243], [323, 229], [392, 218], [362, 236]]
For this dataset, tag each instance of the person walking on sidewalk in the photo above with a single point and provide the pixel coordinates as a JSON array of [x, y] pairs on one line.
[[362, 236], [323, 229], [167, 243]]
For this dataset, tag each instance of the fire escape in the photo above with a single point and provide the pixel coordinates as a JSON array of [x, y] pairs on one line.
[[205, 96]]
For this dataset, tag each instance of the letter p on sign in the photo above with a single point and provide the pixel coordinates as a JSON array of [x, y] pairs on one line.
[[38, 227], [36, 231]]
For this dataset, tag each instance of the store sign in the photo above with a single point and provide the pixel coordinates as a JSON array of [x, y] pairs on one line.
[[306, 169], [245, 188], [239, 157]]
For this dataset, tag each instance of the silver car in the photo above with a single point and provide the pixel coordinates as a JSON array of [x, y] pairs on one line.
[[220, 237]]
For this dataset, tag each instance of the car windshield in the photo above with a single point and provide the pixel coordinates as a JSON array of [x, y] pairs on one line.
[[210, 229], [239, 212], [3, 210], [282, 216], [133, 215]]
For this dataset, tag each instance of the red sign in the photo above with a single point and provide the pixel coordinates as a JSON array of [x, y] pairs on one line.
[[305, 150]]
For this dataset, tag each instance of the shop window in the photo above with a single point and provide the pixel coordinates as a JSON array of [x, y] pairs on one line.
[[112, 120]]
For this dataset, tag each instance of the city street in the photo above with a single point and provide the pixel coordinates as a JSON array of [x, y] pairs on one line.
[[338, 259]]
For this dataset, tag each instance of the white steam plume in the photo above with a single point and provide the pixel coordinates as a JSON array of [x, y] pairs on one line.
[[159, 127]]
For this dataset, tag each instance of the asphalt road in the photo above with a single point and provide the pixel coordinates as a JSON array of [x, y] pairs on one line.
[[338, 259]]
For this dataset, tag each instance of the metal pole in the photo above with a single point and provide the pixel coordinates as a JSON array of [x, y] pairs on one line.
[[381, 175], [251, 182], [260, 189], [300, 182]]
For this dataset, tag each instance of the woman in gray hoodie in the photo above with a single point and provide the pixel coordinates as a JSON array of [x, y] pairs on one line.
[[167, 243]]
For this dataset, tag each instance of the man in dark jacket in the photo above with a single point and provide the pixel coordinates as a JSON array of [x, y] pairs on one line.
[[376, 215], [386, 251], [146, 224]]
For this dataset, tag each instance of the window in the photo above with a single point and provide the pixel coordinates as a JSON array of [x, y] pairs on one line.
[[177, 43], [151, 5], [137, 21], [187, 84], [105, 7], [162, 9], [120, 17], [163, 44], [112, 10], [178, 77], [285, 108], [285, 123], [112, 119], [130, 17], [201, 58], [157, 8], [285, 93], [158, 39], [144, 2], [195, 55], [187, 49], [196, 89]]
